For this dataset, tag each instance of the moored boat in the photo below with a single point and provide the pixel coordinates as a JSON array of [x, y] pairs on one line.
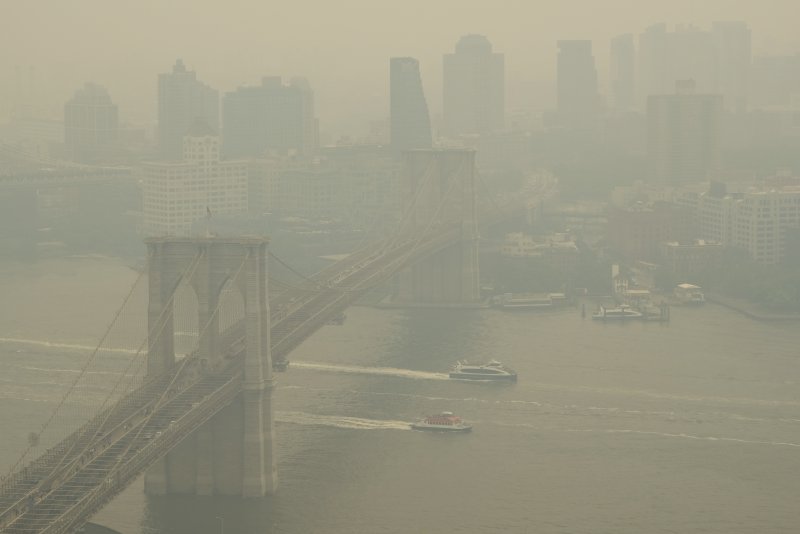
[[689, 294], [622, 311], [524, 301], [493, 370], [442, 422]]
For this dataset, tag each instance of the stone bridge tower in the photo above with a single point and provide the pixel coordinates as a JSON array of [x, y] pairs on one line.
[[233, 453]]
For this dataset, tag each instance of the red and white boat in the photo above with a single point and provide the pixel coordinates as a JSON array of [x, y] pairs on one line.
[[443, 422]]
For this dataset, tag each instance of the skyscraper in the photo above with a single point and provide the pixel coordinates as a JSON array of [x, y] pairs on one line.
[[271, 117], [410, 122], [623, 72], [182, 100], [734, 56], [717, 60], [683, 135], [776, 81], [578, 99], [474, 87], [91, 125]]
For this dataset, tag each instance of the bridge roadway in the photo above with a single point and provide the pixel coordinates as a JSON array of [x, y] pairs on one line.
[[60, 491]]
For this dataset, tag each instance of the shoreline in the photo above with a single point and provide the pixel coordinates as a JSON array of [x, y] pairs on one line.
[[750, 310]]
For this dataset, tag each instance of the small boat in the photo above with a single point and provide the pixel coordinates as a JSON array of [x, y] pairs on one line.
[[493, 370], [621, 312], [443, 422], [689, 294]]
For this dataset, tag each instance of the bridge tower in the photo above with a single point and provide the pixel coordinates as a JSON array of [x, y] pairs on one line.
[[438, 188], [233, 453]]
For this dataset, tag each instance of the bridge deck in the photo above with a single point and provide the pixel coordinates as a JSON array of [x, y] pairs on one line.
[[59, 491]]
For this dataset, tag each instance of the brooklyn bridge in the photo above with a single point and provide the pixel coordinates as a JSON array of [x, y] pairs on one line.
[[200, 419]]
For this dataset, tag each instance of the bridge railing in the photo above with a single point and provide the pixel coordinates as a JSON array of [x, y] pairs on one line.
[[118, 479]]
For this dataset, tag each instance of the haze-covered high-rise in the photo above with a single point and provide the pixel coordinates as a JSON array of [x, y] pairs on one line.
[[182, 100], [717, 60], [665, 57], [623, 72], [578, 99], [410, 121], [775, 81], [474, 87], [683, 135], [271, 117], [734, 56], [91, 125]]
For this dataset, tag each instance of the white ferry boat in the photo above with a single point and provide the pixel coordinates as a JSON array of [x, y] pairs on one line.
[[443, 422], [493, 370], [620, 312], [689, 294]]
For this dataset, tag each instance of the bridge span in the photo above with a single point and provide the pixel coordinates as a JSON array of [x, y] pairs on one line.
[[171, 401]]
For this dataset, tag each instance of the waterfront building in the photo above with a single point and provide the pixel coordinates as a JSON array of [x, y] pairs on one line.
[[177, 194], [760, 219], [689, 258], [636, 231], [557, 250]]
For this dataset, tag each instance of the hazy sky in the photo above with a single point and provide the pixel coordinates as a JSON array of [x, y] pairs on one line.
[[341, 46]]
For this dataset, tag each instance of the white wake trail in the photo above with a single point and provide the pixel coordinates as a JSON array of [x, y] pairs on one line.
[[690, 436], [66, 346], [360, 370], [338, 421]]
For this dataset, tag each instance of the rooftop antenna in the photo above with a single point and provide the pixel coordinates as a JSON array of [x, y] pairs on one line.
[[208, 222]]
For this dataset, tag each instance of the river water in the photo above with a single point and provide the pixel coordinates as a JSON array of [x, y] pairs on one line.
[[691, 426]]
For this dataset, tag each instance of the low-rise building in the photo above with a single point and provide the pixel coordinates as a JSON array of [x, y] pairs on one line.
[[636, 231], [558, 250], [757, 220], [687, 259]]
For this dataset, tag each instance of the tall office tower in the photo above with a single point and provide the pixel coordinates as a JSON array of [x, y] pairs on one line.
[[623, 72], [474, 87], [734, 56], [775, 81], [683, 135], [410, 122], [182, 100], [653, 76], [578, 100], [687, 53], [270, 118], [91, 125]]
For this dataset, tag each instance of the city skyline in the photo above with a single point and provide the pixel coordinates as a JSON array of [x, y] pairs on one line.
[[526, 42]]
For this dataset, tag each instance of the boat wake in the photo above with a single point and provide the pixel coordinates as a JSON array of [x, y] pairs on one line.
[[360, 370], [337, 421], [691, 436], [65, 346]]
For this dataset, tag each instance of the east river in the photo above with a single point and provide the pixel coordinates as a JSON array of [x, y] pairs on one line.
[[690, 426]]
